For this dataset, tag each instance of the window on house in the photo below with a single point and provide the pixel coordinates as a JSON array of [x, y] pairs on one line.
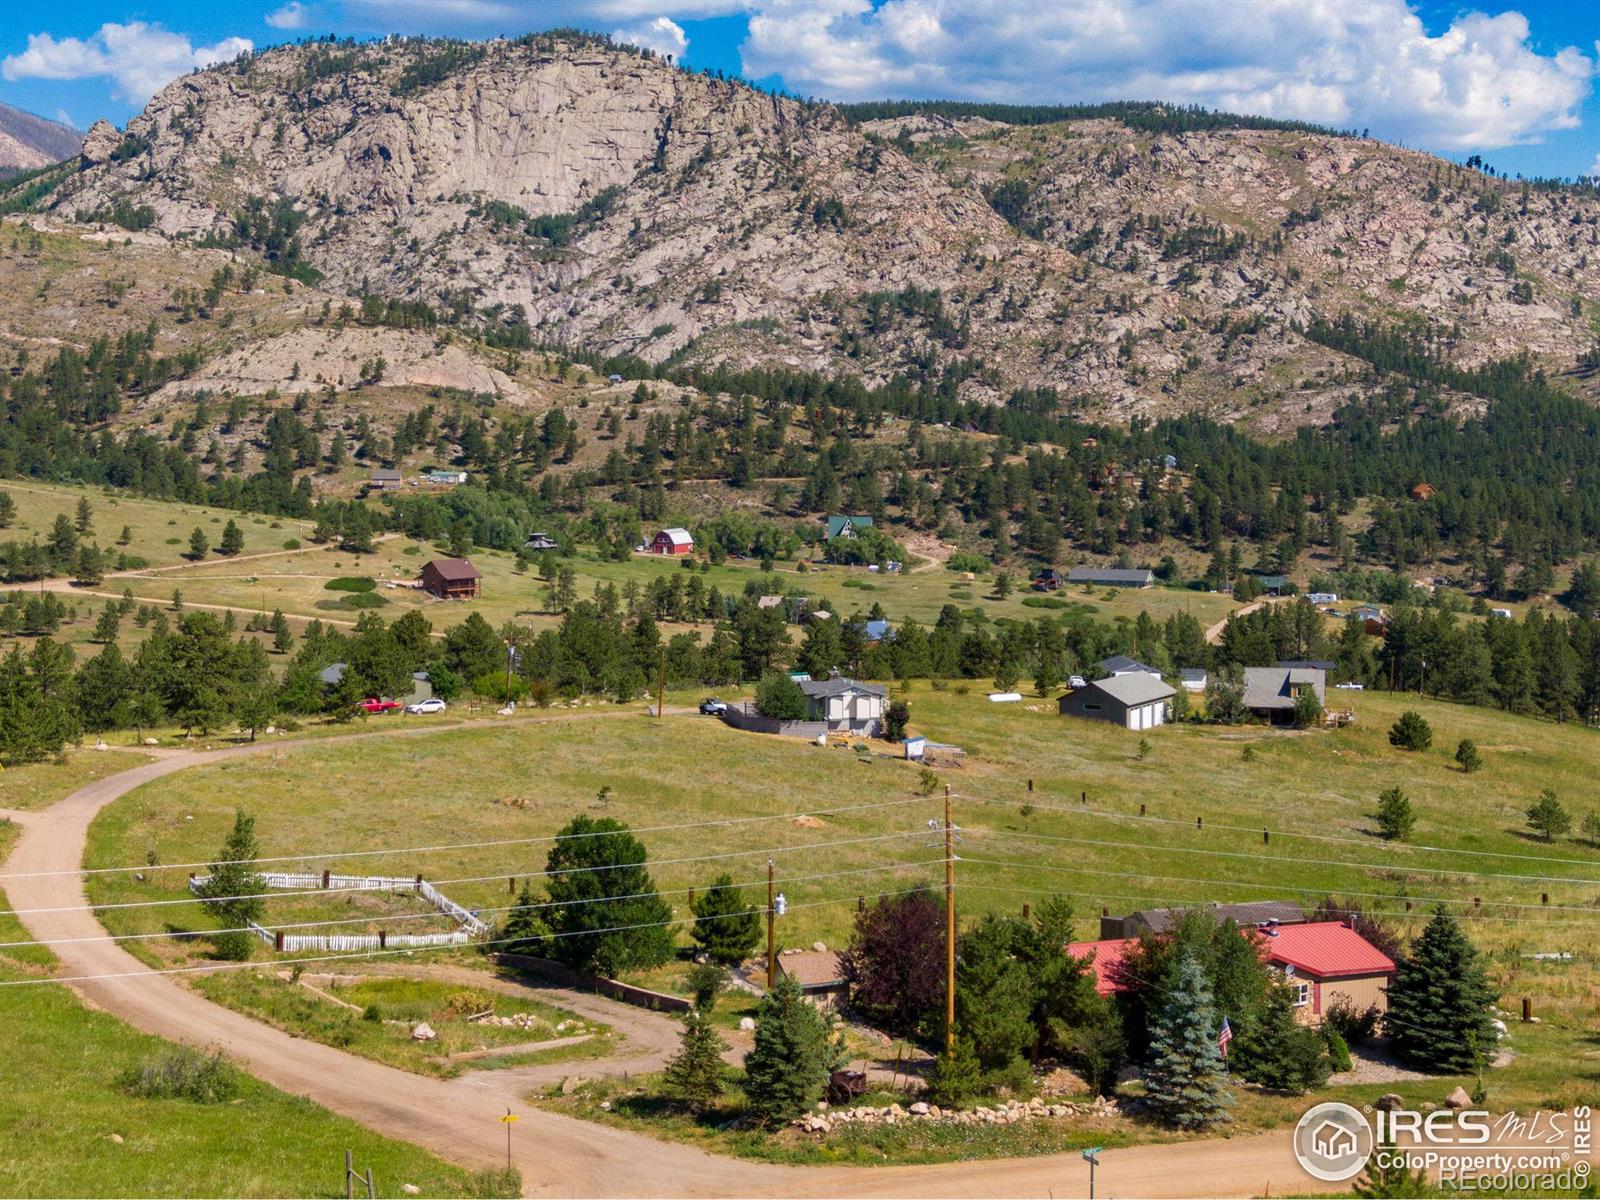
[[1302, 994], [1091, 708]]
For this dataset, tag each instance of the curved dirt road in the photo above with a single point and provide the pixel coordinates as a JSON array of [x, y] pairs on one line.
[[459, 1119]]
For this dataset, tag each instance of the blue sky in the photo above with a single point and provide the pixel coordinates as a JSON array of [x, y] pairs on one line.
[[1514, 82]]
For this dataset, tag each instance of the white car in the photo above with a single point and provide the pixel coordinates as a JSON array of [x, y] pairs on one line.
[[1351, 687], [1076, 682], [431, 705]]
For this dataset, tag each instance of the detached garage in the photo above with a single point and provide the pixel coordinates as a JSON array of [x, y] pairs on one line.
[[1136, 701]]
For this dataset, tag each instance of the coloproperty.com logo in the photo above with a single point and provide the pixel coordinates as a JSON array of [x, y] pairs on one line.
[[1467, 1150]]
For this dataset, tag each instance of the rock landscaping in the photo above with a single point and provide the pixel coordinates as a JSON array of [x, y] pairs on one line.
[[826, 1119]]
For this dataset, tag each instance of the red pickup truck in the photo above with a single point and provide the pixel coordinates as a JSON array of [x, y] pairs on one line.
[[372, 705]]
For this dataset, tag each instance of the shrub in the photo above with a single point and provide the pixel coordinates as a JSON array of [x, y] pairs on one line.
[[1338, 1049], [956, 1078], [1353, 1025], [362, 600], [1411, 732], [705, 982], [180, 1073], [1395, 815], [1467, 756], [351, 583], [780, 698]]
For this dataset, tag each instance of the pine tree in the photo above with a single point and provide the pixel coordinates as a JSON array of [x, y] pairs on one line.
[[8, 510], [105, 628], [696, 1075], [1395, 815], [1185, 1077], [957, 1076], [1547, 816], [1387, 1177], [726, 927], [199, 544], [88, 570], [1411, 732], [232, 538], [232, 892], [1439, 1002], [793, 1055], [85, 515], [1467, 756]]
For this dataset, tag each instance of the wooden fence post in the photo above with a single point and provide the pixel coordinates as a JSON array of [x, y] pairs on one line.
[[383, 939], [1141, 808], [1030, 785], [1266, 838], [1026, 912], [1199, 822], [277, 941], [327, 877], [1527, 1008]]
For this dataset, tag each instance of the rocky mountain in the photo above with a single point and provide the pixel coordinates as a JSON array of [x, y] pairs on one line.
[[561, 190], [27, 141]]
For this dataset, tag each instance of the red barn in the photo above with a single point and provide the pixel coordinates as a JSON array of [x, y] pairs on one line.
[[672, 541], [450, 579]]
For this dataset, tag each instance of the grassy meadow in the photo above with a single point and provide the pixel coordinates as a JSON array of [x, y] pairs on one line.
[[1315, 791]]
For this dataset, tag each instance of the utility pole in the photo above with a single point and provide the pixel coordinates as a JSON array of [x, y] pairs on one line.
[[772, 933], [661, 691], [949, 927]]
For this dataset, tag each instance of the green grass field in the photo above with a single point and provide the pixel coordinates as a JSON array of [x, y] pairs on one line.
[[71, 1130], [36, 784]]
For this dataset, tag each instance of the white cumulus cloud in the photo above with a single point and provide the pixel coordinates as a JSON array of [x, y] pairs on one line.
[[663, 35], [1351, 63], [139, 58], [293, 15]]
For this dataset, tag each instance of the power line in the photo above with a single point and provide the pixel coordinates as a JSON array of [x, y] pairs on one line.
[[210, 968], [105, 907], [419, 916], [380, 853], [1112, 814], [1282, 858], [1273, 887]]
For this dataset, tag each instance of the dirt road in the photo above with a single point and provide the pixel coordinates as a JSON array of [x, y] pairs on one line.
[[459, 1119], [1214, 632]]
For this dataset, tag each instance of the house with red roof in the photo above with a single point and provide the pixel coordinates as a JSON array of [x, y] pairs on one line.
[[1322, 961]]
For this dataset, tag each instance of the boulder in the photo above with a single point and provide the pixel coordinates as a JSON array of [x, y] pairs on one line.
[[115, 1138], [819, 947], [747, 1024], [1458, 1099], [920, 1109], [102, 139], [410, 1189], [1388, 1102], [423, 1032], [569, 1085]]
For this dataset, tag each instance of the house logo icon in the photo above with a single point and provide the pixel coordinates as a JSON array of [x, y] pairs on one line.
[[1333, 1142]]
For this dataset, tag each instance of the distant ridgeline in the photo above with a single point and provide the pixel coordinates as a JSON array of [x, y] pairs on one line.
[[1147, 116]]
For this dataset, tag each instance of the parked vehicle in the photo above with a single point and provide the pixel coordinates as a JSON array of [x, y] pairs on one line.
[[374, 705], [431, 705], [1076, 681], [712, 707], [1352, 686]]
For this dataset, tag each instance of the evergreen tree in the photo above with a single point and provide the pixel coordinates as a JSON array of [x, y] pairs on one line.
[[1395, 816], [1411, 732], [793, 1055], [1387, 1177], [1467, 756], [109, 621], [85, 516], [8, 510], [88, 570], [1439, 1003], [232, 538], [199, 544], [726, 927], [1184, 1079], [696, 1076], [1281, 1053], [232, 891], [604, 909], [1546, 816], [957, 1076]]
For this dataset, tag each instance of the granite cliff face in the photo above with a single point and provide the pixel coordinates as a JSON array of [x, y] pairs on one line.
[[28, 141], [614, 201]]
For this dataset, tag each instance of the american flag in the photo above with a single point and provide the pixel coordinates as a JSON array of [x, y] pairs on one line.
[[1224, 1036]]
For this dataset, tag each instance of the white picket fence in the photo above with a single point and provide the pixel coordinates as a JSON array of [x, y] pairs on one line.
[[294, 943]]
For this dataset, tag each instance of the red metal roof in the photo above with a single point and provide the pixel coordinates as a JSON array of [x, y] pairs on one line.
[[1107, 954], [1323, 949]]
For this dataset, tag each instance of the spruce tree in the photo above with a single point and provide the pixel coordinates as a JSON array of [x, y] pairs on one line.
[[232, 538], [696, 1075], [233, 889], [793, 1055], [726, 926], [1185, 1078], [1411, 732], [105, 628], [1439, 1003], [199, 544]]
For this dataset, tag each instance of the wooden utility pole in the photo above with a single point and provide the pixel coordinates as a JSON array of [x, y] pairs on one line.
[[949, 927], [772, 932], [661, 690]]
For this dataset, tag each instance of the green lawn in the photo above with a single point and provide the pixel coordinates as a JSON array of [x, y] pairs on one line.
[[71, 1130]]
